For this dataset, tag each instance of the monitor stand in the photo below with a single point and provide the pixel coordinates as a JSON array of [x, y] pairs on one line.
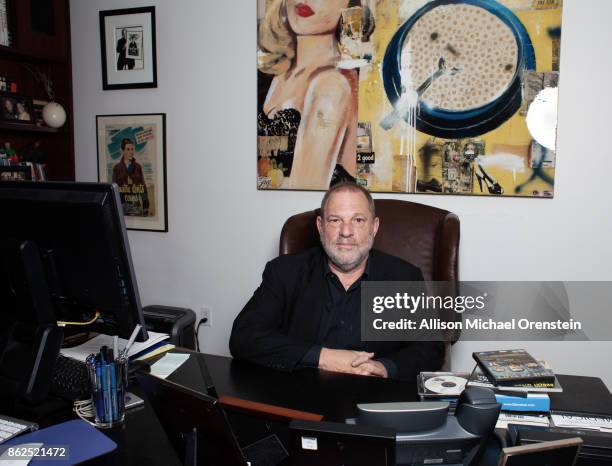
[[30, 343]]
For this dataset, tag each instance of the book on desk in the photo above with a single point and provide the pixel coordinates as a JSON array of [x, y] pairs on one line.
[[154, 343]]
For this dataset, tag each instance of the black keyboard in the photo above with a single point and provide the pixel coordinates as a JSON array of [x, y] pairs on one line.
[[70, 379]]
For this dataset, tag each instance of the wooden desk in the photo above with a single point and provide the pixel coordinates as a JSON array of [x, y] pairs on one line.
[[259, 401]]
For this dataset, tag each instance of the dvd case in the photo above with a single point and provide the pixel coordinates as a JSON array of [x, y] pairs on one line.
[[479, 379], [505, 367]]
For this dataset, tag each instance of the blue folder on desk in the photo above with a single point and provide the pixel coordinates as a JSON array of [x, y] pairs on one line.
[[83, 440]]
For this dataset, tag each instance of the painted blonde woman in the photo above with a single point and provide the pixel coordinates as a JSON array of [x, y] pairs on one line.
[[310, 99]]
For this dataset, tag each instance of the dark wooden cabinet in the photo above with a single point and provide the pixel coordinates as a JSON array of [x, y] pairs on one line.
[[41, 41]]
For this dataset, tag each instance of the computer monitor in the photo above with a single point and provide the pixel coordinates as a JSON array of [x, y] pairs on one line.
[[199, 430], [64, 254]]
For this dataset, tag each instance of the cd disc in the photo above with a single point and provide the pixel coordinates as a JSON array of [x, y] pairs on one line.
[[446, 385]]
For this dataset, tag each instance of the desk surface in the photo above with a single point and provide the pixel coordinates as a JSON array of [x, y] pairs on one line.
[[331, 395], [142, 440]]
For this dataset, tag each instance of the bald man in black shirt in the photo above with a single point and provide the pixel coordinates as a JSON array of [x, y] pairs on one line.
[[306, 312]]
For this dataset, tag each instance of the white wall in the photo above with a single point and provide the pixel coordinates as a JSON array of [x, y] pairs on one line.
[[222, 230]]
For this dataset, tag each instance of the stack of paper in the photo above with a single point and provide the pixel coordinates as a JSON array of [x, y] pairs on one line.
[[153, 351], [600, 423], [81, 352], [168, 364]]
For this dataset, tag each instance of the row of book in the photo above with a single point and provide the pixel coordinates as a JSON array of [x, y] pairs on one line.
[[522, 385], [22, 171], [6, 38]]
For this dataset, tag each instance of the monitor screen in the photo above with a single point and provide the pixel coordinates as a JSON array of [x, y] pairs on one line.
[[79, 232]]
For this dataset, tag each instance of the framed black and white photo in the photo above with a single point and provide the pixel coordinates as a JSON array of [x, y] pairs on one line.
[[127, 39], [132, 153]]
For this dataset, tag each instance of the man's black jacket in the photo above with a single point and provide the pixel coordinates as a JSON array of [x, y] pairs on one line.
[[280, 323]]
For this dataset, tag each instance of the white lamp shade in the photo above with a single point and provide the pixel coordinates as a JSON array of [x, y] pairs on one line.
[[54, 115], [542, 117]]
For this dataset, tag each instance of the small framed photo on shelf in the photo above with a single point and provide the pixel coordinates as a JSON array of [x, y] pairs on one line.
[[38, 106], [15, 108], [132, 153], [127, 39]]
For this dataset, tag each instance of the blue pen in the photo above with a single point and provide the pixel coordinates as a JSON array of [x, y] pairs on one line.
[[99, 393], [109, 401], [113, 393], [106, 408]]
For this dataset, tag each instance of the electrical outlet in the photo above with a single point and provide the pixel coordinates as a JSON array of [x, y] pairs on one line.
[[205, 313]]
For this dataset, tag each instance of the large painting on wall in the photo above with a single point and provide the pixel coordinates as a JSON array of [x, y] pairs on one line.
[[411, 96]]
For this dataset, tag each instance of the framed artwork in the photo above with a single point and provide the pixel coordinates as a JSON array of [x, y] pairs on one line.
[[455, 97], [127, 40], [15, 108], [132, 154]]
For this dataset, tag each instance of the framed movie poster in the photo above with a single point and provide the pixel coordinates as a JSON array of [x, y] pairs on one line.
[[132, 153], [127, 39]]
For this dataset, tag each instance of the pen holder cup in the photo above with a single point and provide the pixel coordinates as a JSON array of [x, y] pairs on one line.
[[108, 386]]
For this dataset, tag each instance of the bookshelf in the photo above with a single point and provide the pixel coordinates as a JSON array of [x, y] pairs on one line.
[[7, 126], [40, 32]]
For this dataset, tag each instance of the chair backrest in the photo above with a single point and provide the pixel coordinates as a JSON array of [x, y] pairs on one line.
[[422, 235]]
